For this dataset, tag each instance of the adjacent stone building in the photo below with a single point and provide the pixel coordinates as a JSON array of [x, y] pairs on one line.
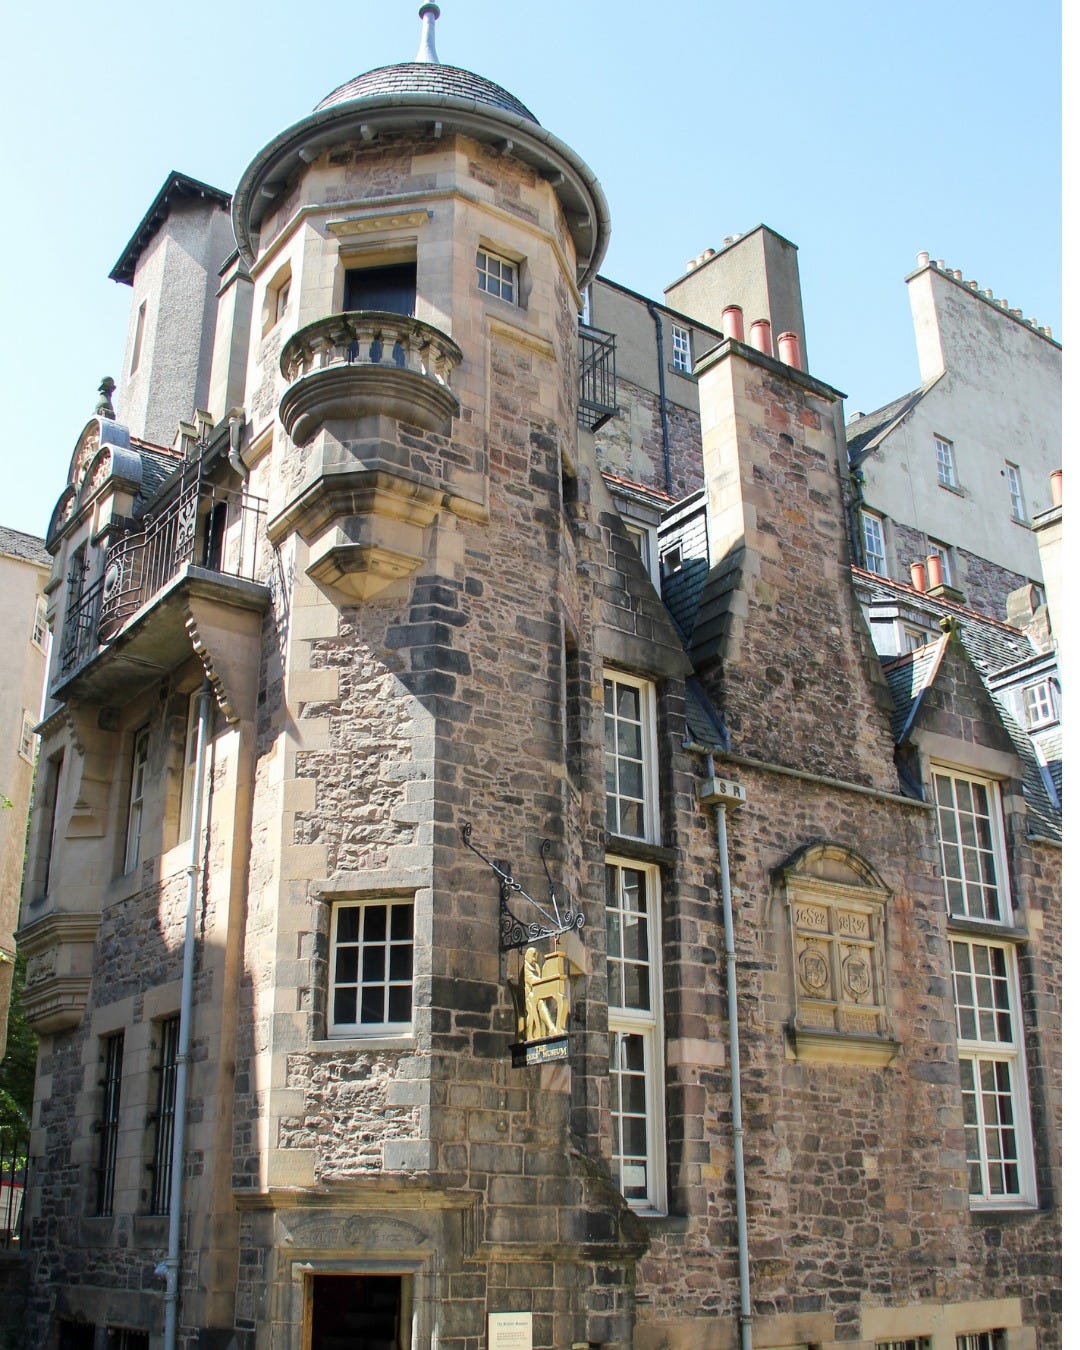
[[403, 707], [24, 570]]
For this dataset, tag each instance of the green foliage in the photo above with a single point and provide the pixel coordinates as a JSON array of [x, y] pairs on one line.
[[18, 1065]]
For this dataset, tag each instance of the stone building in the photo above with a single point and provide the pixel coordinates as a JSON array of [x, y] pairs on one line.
[[24, 570], [377, 743]]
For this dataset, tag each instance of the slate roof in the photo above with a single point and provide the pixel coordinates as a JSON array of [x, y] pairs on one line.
[[991, 646], [26, 547], [866, 433], [909, 677], [704, 724], [158, 467], [177, 187], [427, 77]]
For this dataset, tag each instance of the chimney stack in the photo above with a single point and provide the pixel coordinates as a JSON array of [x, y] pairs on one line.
[[761, 336], [787, 345], [731, 322]]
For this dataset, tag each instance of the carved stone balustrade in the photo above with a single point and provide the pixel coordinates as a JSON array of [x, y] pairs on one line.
[[368, 363]]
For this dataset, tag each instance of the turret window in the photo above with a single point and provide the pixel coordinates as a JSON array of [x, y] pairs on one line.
[[391, 289], [497, 276]]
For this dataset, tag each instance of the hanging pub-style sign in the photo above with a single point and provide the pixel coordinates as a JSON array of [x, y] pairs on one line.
[[541, 990]]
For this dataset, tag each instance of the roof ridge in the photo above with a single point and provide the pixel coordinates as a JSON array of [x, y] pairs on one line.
[[950, 605]]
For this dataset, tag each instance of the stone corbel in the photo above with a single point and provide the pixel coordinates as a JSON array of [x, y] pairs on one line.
[[59, 951], [227, 639], [95, 747]]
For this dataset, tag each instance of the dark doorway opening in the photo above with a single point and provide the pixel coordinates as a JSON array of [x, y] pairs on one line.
[[356, 1312], [389, 288]]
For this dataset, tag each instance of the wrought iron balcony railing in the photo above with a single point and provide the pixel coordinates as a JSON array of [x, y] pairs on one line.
[[204, 524], [596, 392]]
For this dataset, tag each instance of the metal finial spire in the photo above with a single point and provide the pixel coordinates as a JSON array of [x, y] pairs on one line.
[[106, 389], [426, 51]]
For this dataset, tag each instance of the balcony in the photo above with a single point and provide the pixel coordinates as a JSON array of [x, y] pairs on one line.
[[596, 389], [368, 363], [134, 622]]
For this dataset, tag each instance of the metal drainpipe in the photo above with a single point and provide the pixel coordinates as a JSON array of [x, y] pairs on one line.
[[722, 794], [855, 534], [170, 1267], [663, 393]]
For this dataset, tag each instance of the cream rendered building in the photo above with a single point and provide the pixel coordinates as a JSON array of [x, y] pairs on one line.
[[24, 570], [962, 465]]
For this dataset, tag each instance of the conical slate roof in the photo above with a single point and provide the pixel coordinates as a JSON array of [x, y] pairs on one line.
[[427, 77]]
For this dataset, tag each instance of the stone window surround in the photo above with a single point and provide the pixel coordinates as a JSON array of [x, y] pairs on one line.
[[382, 1035], [648, 1024], [994, 786], [646, 688], [137, 1103], [942, 1322], [495, 253], [873, 532], [682, 350], [40, 633], [28, 738], [276, 297], [945, 455], [999, 1049], [136, 822]]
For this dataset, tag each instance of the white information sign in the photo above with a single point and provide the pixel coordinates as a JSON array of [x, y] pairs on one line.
[[510, 1331]]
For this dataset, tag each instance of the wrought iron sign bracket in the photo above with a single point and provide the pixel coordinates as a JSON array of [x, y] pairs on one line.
[[515, 932]]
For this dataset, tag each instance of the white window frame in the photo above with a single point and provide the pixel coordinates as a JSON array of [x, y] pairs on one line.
[[644, 536], [27, 739], [990, 1039], [497, 275], [671, 560], [1016, 491], [912, 638], [966, 838], [682, 355], [904, 1343], [945, 453], [347, 954], [39, 635], [1040, 704], [944, 552], [140, 758], [644, 1025], [619, 768], [873, 532]]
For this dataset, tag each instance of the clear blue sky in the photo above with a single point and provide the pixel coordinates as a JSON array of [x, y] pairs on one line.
[[864, 132]]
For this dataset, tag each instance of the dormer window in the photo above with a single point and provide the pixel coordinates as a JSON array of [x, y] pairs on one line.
[[1040, 706]]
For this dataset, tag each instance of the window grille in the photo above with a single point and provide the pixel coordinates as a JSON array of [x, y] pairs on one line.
[[165, 1117], [110, 1122]]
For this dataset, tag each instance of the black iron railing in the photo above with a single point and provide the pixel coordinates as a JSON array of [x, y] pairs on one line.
[[203, 524], [596, 392], [14, 1167]]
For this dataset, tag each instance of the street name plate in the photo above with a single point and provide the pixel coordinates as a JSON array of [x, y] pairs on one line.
[[550, 1051]]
